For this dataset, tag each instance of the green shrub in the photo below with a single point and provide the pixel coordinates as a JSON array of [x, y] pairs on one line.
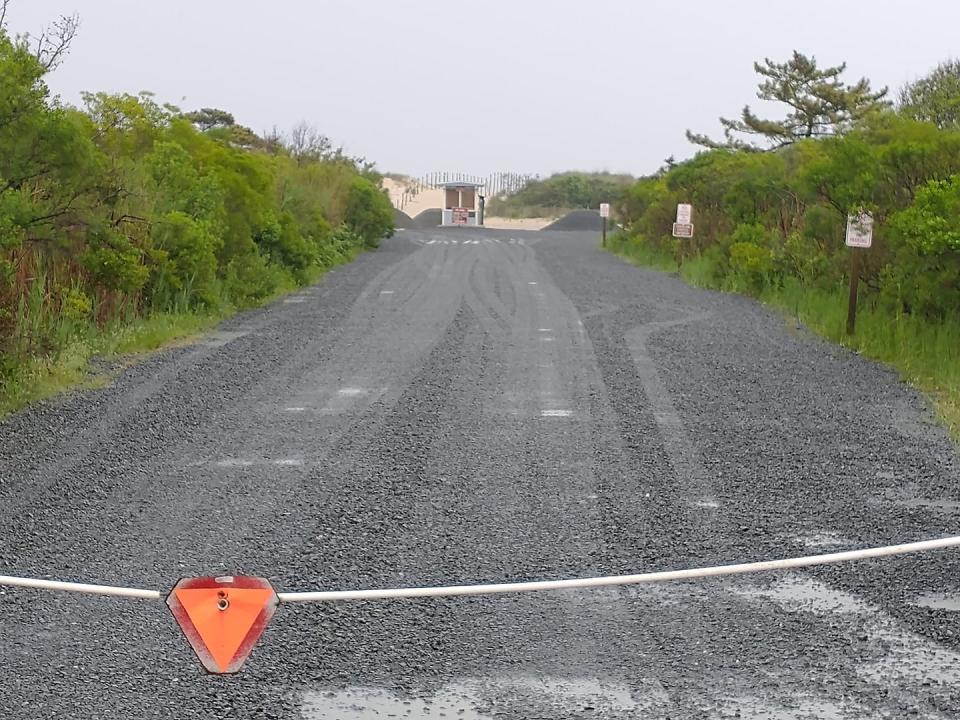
[[924, 275], [186, 262], [369, 213], [250, 280], [114, 262], [280, 241], [76, 306], [751, 266]]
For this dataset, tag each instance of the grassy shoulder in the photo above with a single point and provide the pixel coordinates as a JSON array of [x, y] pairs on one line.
[[39, 378], [120, 343], [924, 354]]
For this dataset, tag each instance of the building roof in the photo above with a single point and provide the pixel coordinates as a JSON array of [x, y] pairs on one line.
[[461, 184]]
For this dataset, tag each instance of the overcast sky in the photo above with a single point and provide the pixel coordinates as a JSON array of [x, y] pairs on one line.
[[510, 85]]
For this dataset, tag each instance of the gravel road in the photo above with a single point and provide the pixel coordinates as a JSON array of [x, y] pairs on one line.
[[481, 406]]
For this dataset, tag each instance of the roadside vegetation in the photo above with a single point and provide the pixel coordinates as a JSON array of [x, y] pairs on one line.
[[771, 201], [126, 223], [559, 194]]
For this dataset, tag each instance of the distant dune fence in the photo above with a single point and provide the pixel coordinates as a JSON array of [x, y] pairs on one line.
[[498, 184]]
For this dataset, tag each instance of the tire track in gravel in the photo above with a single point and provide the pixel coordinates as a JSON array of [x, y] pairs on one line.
[[683, 455], [774, 399], [518, 502], [198, 521]]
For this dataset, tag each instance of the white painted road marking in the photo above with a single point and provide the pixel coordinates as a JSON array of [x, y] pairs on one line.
[[352, 392], [238, 463], [233, 462]]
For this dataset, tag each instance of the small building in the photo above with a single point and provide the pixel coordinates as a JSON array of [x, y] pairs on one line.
[[463, 203]]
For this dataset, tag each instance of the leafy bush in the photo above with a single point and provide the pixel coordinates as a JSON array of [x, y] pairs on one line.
[[114, 262], [126, 209], [369, 212], [186, 260], [751, 265], [250, 279], [924, 276], [783, 214]]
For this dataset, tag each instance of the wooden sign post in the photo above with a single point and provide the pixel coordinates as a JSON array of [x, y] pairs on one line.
[[859, 238]]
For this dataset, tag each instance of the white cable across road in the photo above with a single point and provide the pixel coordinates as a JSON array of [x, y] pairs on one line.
[[84, 588], [616, 580], [521, 587]]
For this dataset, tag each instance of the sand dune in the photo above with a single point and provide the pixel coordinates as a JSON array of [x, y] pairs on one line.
[[429, 198], [425, 199]]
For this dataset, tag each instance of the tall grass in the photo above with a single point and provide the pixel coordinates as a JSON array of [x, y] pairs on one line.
[[926, 354], [29, 378], [53, 349]]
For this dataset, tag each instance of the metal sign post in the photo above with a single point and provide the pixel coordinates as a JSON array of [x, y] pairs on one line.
[[605, 214], [859, 238]]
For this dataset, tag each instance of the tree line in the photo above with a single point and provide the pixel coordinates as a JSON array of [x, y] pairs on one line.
[[125, 207], [560, 193], [772, 197]]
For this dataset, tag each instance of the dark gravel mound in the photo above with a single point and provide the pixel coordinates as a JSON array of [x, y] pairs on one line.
[[402, 220], [578, 221], [429, 218]]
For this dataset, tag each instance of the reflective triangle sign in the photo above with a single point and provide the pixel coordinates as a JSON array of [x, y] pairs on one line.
[[223, 617]]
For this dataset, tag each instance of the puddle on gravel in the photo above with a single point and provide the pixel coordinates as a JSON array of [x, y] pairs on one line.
[[364, 704], [820, 540], [910, 495], [758, 709], [804, 595], [582, 693], [940, 505], [939, 601], [912, 663], [484, 699]]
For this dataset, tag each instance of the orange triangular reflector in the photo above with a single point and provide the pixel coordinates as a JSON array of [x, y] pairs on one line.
[[223, 617]]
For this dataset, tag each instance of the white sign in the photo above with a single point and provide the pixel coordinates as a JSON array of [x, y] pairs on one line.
[[860, 230], [682, 230], [604, 210], [684, 214]]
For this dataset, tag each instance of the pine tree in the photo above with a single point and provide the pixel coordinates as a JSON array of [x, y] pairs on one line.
[[819, 101]]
